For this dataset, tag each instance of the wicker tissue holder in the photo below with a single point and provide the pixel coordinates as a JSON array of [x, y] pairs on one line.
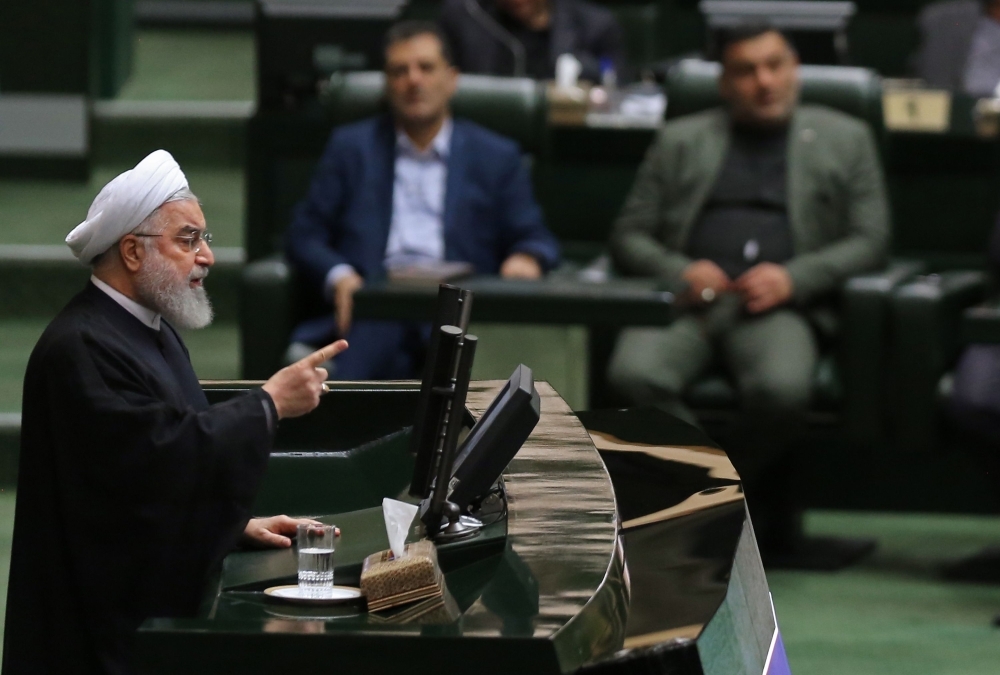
[[389, 582]]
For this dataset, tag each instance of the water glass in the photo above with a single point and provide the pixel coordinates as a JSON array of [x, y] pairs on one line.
[[316, 544]]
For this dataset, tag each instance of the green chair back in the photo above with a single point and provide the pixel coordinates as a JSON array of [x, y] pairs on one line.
[[513, 107], [692, 86]]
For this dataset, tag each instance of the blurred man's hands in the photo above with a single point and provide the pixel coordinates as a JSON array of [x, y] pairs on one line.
[[343, 300], [521, 266], [706, 281], [275, 532], [296, 389], [764, 287]]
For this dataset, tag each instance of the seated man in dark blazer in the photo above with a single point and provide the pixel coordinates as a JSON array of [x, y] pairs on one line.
[[412, 186], [762, 209], [525, 37]]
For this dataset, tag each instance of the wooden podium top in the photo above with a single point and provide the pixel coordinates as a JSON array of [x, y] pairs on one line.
[[561, 516]]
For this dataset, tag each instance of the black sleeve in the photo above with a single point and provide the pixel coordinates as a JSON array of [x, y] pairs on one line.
[[143, 449], [152, 490]]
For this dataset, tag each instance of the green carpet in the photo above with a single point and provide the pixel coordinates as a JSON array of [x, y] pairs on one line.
[[180, 65], [192, 65], [890, 615], [44, 212], [214, 353], [16, 341]]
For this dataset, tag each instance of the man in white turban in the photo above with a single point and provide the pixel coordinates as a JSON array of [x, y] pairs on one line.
[[131, 487]]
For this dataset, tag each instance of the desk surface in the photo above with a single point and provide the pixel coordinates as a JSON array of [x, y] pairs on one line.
[[554, 300], [544, 590], [541, 591]]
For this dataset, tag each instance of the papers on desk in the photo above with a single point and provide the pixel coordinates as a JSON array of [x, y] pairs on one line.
[[986, 116], [640, 108], [430, 272], [909, 108]]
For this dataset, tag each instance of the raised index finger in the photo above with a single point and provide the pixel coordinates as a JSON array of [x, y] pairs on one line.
[[325, 354]]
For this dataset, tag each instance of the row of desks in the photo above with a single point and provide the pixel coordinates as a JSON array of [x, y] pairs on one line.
[[598, 561], [560, 301]]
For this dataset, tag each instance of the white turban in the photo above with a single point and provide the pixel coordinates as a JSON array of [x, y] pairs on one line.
[[124, 203]]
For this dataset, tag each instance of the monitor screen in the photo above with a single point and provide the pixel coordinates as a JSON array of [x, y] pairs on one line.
[[496, 438]]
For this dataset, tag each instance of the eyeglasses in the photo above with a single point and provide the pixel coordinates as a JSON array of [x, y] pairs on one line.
[[192, 243]]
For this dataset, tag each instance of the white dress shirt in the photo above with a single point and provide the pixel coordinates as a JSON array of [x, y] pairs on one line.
[[416, 231], [144, 314]]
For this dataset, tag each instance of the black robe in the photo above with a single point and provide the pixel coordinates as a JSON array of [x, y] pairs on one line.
[[130, 489]]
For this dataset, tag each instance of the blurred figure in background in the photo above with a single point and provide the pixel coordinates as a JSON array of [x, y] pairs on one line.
[[761, 209], [413, 187], [960, 46], [525, 37]]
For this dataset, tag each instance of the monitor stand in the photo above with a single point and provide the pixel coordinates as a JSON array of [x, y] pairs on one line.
[[458, 527]]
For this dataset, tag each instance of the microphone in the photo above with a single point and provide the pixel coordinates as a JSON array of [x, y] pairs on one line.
[[493, 27]]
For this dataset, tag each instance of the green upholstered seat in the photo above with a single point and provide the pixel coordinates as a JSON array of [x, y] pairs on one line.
[[512, 106], [981, 323], [715, 392], [931, 323], [692, 86]]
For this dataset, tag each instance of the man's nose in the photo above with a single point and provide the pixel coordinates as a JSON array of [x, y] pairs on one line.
[[765, 78], [205, 256]]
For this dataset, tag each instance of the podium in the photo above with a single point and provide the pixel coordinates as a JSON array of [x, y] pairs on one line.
[[622, 546]]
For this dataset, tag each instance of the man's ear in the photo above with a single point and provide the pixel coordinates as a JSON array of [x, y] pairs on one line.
[[131, 252]]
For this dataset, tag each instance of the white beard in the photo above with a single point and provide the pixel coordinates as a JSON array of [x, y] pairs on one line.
[[162, 290]]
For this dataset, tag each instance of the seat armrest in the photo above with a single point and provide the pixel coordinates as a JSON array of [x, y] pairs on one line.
[[864, 349], [265, 316], [981, 323], [926, 321]]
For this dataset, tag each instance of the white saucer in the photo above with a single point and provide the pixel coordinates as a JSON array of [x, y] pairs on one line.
[[292, 593]]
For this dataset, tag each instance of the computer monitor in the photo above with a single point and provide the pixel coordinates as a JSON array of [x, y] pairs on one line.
[[495, 438]]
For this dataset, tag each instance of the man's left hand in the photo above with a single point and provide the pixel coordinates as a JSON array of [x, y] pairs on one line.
[[521, 266], [764, 287], [275, 532]]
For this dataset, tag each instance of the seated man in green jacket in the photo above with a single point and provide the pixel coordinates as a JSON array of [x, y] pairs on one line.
[[760, 210]]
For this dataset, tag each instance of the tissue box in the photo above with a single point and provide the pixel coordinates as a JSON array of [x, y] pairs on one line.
[[437, 610], [390, 582]]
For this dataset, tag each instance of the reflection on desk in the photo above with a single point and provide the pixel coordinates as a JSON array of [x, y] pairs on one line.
[[541, 591], [636, 557]]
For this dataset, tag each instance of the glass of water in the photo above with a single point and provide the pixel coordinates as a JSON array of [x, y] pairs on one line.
[[316, 544]]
